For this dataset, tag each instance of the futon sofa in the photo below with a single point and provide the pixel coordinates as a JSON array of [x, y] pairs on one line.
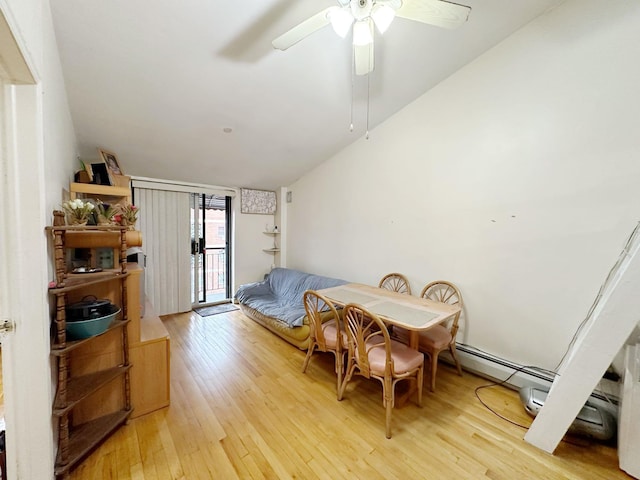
[[276, 303]]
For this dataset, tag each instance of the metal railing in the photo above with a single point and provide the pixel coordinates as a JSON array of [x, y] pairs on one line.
[[215, 271]]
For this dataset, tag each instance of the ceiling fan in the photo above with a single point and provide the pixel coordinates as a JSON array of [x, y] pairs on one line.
[[364, 14]]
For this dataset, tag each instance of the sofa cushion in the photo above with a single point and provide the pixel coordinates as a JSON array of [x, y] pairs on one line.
[[280, 294]]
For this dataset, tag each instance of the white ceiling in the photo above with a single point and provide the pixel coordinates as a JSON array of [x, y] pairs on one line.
[[157, 81]]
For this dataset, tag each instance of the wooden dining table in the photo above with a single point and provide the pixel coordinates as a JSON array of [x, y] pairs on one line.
[[415, 314]]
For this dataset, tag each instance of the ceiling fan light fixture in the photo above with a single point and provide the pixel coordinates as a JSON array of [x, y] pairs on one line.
[[341, 21], [362, 34], [382, 16]]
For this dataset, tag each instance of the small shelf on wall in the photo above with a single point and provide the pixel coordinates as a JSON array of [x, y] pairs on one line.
[[91, 190], [271, 250], [271, 233]]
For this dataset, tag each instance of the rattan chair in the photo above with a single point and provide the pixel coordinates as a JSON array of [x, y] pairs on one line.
[[441, 337], [395, 282], [372, 354], [326, 334]]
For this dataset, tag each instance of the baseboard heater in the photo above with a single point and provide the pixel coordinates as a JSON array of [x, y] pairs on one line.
[[498, 369]]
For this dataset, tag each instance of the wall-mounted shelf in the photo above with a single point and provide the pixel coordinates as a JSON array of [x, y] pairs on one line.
[[271, 250], [271, 233], [90, 190]]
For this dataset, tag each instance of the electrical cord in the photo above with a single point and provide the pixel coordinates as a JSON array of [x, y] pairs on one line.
[[497, 384], [501, 383]]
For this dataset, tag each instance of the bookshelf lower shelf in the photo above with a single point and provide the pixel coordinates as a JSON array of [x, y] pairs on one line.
[[78, 388], [84, 438]]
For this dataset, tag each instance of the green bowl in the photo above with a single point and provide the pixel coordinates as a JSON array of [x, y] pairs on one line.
[[81, 329]]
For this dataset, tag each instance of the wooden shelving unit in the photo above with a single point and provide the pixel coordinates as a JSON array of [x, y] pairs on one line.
[[78, 436]]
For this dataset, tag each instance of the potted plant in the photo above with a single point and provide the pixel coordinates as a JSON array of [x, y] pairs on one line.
[[105, 213], [77, 212], [127, 215]]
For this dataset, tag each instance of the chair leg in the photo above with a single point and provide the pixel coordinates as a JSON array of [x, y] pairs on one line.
[[434, 367], [339, 372], [420, 381], [348, 374], [310, 350], [454, 355], [388, 388]]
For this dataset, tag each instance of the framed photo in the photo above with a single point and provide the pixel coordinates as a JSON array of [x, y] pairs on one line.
[[110, 159], [101, 174], [257, 201]]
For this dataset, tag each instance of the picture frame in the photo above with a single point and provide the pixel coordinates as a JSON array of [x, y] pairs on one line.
[[111, 161], [261, 202], [101, 174]]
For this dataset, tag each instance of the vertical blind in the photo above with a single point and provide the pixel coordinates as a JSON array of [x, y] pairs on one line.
[[164, 221]]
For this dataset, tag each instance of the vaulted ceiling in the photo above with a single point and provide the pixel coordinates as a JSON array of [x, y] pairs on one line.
[[161, 83]]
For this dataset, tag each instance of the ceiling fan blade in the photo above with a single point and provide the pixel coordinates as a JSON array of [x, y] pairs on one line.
[[303, 30], [434, 12], [363, 58]]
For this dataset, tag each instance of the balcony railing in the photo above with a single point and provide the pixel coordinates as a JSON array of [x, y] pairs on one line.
[[215, 273]]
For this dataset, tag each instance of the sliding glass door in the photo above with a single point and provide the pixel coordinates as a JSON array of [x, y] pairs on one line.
[[210, 249]]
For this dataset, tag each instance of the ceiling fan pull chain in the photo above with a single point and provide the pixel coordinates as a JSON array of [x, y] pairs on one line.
[[368, 97], [353, 74]]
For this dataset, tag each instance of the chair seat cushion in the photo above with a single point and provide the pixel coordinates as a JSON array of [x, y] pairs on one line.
[[330, 334], [404, 358], [436, 338]]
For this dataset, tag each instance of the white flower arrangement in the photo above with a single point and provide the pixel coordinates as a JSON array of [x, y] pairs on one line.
[[77, 211]]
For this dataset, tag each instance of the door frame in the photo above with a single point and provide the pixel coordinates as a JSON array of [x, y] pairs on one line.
[[23, 293], [198, 275]]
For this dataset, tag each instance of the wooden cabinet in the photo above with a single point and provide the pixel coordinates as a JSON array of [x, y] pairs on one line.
[[79, 386], [149, 353]]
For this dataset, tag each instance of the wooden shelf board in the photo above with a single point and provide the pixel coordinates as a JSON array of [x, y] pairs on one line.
[[58, 351], [84, 438], [83, 228], [152, 329], [78, 388], [271, 250], [94, 189], [93, 239], [271, 233], [73, 281]]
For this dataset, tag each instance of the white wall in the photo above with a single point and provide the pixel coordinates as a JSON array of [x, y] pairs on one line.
[[41, 141], [516, 178], [251, 262], [60, 149]]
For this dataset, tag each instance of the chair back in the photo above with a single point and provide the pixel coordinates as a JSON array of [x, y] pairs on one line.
[[444, 292], [365, 331], [319, 309], [396, 282]]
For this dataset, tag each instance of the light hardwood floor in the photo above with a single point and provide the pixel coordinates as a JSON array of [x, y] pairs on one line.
[[240, 408]]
